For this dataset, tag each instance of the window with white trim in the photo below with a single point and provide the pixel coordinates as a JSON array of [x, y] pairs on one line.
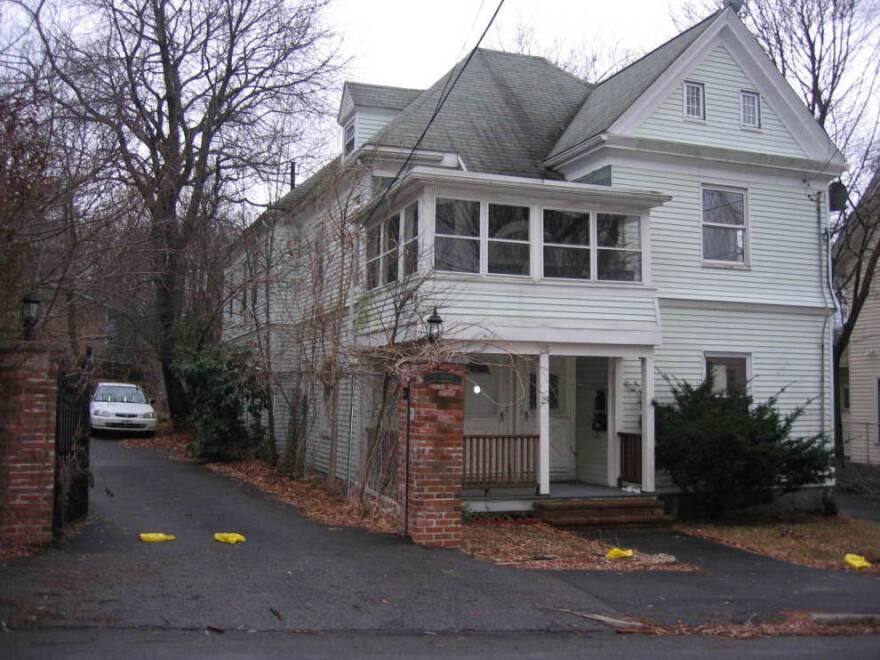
[[619, 247], [728, 373], [348, 139], [457, 236], [724, 225], [750, 106], [509, 250], [390, 243], [374, 255], [694, 100], [411, 239], [567, 250]]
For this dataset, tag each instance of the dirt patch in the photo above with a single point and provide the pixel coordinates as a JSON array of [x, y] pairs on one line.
[[174, 444], [309, 495], [535, 544], [814, 541]]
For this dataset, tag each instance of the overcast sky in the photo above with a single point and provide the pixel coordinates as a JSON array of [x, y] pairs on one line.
[[411, 43]]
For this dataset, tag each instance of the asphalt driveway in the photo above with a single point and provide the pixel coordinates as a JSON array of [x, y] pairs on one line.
[[294, 579]]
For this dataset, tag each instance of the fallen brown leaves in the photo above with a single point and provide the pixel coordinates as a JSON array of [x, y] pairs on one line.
[[309, 495], [791, 624], [535, 544], [175, 444], [815, 541]]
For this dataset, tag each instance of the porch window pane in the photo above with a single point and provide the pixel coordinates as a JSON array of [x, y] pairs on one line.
[[373, 274], [509, 222], [620, 265], [374, 255], [508, 239], [566, 228], [457, 217], [411, 239], [619, 254], [508, 258], [620, 231], [566, 262], [460, 255]]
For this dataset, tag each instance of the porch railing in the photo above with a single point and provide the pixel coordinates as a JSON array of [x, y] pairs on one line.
[[500, 460], [630, 457]]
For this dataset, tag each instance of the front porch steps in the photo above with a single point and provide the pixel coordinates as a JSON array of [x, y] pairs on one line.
[[602, 511]]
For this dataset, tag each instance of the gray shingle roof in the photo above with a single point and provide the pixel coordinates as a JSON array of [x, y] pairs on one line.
[[381, 96], [614, 95], [504, 115]]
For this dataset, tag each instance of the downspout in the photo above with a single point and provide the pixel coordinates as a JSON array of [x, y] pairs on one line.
[[824, 280]]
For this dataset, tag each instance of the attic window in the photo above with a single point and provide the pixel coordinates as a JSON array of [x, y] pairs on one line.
[[750, 103], [349, 137], [694, 100]]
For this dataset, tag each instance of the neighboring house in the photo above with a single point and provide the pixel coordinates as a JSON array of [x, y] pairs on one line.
[[859, 376], [661, 223]]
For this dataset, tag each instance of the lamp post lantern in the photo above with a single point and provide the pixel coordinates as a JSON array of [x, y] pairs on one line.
[[435, 326], [30, 314]]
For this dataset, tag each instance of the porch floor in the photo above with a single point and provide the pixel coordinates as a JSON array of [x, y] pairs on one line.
[[523, 498]]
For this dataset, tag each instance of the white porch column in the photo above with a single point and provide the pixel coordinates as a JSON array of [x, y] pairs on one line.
[[647, 423], [614, 410], [544, 422]]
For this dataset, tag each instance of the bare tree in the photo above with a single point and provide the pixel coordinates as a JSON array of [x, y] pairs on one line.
[[198, 96]]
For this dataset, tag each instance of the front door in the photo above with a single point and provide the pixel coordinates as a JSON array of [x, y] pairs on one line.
[[562, 382]]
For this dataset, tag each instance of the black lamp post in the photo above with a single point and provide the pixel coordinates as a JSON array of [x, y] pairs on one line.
[[30, 314], [435, 326]]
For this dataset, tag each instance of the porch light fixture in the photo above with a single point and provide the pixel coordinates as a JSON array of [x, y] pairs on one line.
[[477, 389], [435, 326], [30, 314]]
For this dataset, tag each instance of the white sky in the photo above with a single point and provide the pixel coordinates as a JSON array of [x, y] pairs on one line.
[[411, 43]]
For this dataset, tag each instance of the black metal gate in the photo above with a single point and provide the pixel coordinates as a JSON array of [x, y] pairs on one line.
[[71, 449]]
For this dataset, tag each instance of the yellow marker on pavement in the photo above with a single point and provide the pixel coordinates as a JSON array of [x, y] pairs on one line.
[[229, 537], [157, 537]]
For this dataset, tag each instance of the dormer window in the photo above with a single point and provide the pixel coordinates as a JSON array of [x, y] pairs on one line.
[[750, 104], [349, 137], [694, 100]]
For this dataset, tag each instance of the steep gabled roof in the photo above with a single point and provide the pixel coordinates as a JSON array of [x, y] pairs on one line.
[[503, 116], [611, 97], [382, 96]]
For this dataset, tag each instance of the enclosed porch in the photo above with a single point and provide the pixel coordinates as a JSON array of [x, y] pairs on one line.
[[557, 424]]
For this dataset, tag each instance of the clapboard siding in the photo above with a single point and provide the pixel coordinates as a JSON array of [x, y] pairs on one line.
[[724, 79], [784, 268], [864, 372], [369, 121]]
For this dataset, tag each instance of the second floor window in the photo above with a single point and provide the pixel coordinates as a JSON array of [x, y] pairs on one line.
[[508, 239], [457, 236], [619, 247], [724, 225], [392, 245], [694, 100], [411, 239], [567, 245], [750, 103]]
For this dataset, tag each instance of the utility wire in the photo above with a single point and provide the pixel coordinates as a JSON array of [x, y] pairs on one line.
[[441, 101]]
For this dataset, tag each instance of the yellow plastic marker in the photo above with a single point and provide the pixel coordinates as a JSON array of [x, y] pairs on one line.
[[619, 553], [229, 537], [157, 537], [856, 561]]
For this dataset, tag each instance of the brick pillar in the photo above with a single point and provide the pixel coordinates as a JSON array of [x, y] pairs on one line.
[[28, 391], [431, 490]]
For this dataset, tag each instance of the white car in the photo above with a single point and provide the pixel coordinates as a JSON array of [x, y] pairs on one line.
[[121, 407]]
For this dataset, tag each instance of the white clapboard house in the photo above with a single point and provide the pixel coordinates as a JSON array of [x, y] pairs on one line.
[[589, 239]]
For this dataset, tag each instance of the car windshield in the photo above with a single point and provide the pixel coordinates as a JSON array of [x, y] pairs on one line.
[[120, 394]]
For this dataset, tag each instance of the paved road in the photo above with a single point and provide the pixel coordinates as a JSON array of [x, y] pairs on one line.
[[342, 592]]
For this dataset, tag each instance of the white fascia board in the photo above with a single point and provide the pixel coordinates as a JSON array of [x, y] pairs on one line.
[[549, 189], [346, 106], [728, 30]]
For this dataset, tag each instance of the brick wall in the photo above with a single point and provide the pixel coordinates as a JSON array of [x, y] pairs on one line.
[[431, 487], [28, 389]]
